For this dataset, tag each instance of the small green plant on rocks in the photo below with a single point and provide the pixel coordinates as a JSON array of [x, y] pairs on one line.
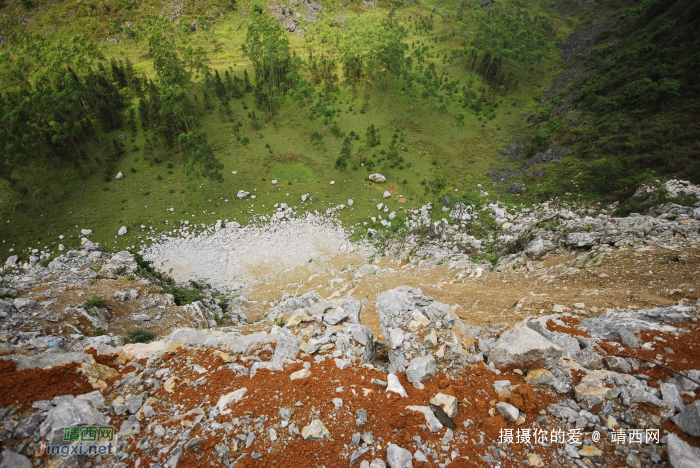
[[96, 301], [141, 335]]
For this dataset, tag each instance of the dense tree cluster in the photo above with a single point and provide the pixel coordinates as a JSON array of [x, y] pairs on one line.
[[62, 103], [56, 98]]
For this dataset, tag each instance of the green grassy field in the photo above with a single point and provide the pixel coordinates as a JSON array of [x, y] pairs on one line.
[[431, 141]]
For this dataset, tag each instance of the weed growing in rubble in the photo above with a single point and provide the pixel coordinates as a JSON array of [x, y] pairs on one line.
[[141, 335], [96, 301], [280, 322], [45, 262], [99, 332], [180, 296], [131, 277], [6, 295]]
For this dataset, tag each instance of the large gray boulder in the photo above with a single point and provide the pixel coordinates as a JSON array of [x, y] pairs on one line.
[[287, 346], [568, 344], [200, 315], [22, 304], [392, 303], [582, 239], [608, 326], [70, 414], [524, 348], [538, 248], [670, 394], [11, 459], [421, 369], [392, 308], [288, 306], [588, 358], [398, 457], [681, 454], [6, 308], [121, 263], [690, 419]]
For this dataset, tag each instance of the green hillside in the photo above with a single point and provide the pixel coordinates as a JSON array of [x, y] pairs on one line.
[[626, 106], [177, 97]]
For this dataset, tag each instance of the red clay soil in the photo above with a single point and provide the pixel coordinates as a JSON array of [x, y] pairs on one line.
[[685, 347], [104, 359], [388, 417], [571, 329], [525, 399], [23, 387]]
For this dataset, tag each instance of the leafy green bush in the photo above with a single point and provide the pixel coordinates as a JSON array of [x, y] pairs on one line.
[[604, 175], [96, 301], [180, 296], [141, 335]]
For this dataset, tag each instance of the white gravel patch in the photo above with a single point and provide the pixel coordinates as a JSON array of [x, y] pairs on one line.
[[234, 255]]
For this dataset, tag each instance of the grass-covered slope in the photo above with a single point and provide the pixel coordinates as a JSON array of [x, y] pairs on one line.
[[626, 106], [414, 93]]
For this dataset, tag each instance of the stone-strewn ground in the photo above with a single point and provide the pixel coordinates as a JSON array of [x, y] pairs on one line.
[[567, 352]]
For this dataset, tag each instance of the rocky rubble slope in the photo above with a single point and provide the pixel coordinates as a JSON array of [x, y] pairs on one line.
[[531, 233], [321, 391], [398, 379], [59, 301], [235, 257]]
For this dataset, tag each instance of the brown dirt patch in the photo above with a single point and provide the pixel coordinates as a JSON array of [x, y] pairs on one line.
[[493, 425], [525, 399], [104, 359]]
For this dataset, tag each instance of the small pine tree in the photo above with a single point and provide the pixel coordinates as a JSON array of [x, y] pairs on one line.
[[246, 81], [372, 139], [229, 81], [219, 85], [132, 80], [206, 99], [341, 163]]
